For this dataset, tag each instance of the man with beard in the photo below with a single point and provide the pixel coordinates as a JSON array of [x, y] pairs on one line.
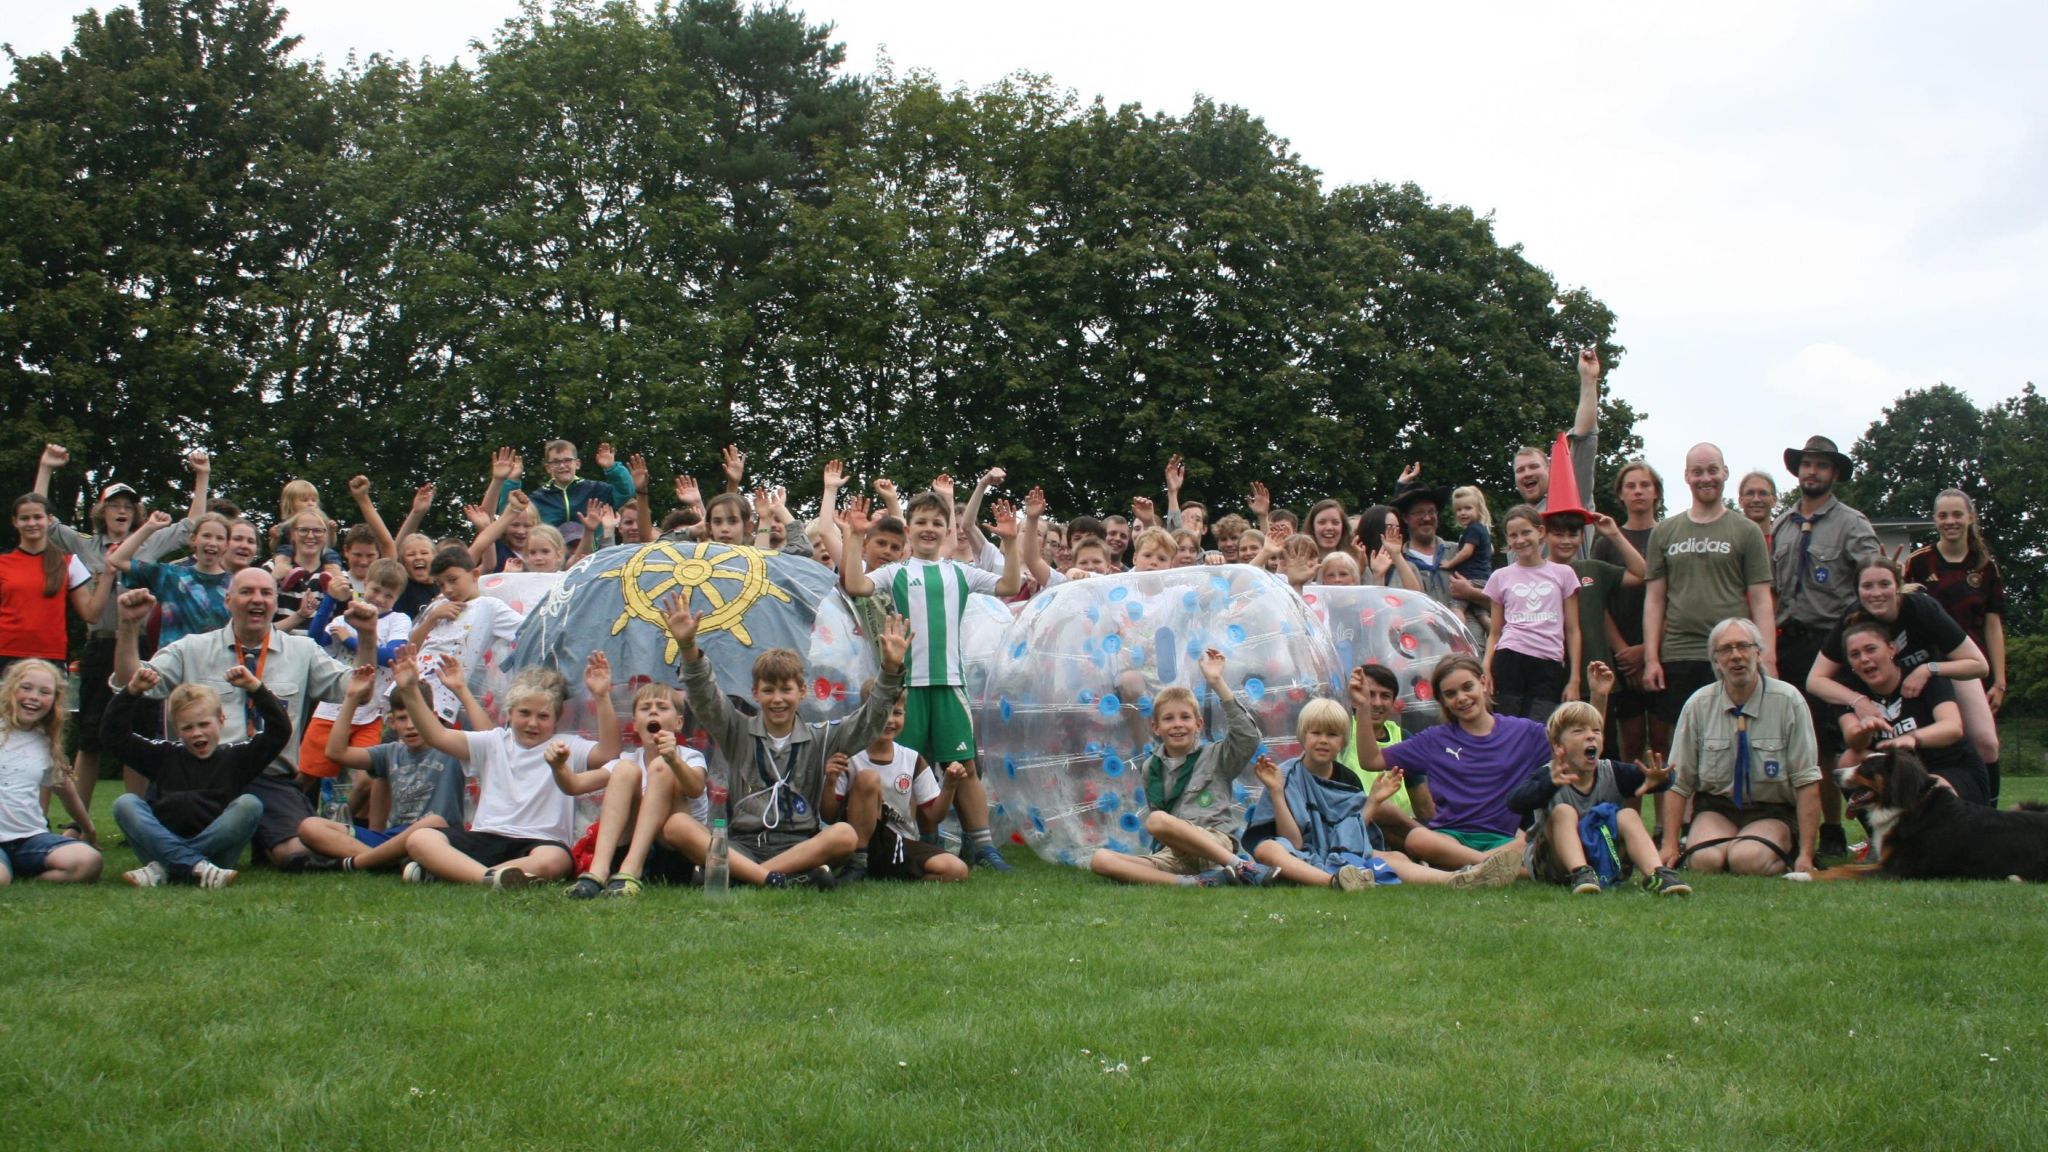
[[1817, 547], [1707, 564], [1532, 464]]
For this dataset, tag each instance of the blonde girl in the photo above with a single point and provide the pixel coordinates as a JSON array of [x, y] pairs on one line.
[[1474, 558], [31, 732]]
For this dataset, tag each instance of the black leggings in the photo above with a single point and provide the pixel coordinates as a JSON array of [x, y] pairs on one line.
[[1526, 686]]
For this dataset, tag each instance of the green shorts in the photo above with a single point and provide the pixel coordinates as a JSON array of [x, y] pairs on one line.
[[936, 723], [1475, 839]]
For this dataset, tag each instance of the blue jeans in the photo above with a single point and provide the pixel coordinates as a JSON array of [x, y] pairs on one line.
[[222, 842]]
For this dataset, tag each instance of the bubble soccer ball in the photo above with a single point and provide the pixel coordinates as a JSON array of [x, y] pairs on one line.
[[1402, 629], [1065, 720]]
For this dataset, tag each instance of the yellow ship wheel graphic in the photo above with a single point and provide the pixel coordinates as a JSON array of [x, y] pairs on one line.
[[729, 579]]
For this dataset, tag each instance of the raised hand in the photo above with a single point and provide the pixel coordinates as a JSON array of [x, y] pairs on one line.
[[477, 517], [504, 464], [764, 503], [734, 462], [240, 677], [362, 680], [518, 502], [895, 641], [423, 499], [1383, 789], [1176, 473], [664, 745], [1141, 510], [135, 606], [359, 487], [835, 475], [1599, 678], [885, 488], [1005, 526], [1589, 363], [55, 456], [681, 622], [854, 517], [198, 461], [943, 485], [594, 513], [1269, 774], [1260, 501], [362, 616], [405, 669], [636, 467], [1411, 473], [1355, 689], [157, 522], [992, 478], [597, 675], [1034, 504], [144, 679], [686, 492], [604, 457], [1212, 667]]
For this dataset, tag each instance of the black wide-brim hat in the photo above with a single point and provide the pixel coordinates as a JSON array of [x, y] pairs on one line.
[[1820, 446], [1417, 492]]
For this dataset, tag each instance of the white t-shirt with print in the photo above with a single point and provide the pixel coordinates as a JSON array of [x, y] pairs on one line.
[[516, 792], [26, 767], [906, 786]]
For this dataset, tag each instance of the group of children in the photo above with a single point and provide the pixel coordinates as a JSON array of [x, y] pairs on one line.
[[867, 794]]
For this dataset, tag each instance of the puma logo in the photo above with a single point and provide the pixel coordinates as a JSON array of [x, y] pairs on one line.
[[1456, 753]]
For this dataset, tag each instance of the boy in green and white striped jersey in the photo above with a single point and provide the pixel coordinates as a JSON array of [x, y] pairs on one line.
[[931, 592]]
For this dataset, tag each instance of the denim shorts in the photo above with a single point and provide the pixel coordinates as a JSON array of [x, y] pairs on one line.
[[30, 855]]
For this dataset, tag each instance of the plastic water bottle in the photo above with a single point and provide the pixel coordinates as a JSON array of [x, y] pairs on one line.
[[334, 802], [718, 864]]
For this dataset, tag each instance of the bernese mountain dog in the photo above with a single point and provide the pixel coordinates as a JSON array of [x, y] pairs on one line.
[[1920, 830]]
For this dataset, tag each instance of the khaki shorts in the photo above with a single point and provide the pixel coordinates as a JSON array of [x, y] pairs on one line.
[[1176, 863]]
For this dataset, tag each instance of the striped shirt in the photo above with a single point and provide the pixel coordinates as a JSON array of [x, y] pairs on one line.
[[932, 596]]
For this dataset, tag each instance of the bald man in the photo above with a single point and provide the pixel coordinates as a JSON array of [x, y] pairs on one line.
[[294, 668], [1707, 563]]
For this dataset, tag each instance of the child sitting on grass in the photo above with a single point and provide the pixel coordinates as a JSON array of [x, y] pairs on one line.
[[1310, 826], [420, 787], [31, 732], [382, 584], [772, 765], [640, 793], [195, 820], [463, 623], [1584, 804], [888, 793], [523, 822], [1187, 786]]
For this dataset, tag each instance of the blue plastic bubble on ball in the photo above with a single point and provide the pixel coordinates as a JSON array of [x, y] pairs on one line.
[[1255, 688], [1112, 764], [1129, 822], [1110, 705], [1018, 649], [1117, 594], [1135, 654], [1112, 644], [1116, 845], [1108, 802], [1037, 819], [1145, 706], [1086, 697], [1134, 610], [1010, 766], [1003, 706], [1190, 600], [1236, 633], [1219, 583], [1094, 615]]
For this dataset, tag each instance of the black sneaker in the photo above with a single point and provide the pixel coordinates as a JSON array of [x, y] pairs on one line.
[[1666, 882], [315, 862], [851, 874], [818, 879], [586, 887], [1833, 841], [1585, 881]]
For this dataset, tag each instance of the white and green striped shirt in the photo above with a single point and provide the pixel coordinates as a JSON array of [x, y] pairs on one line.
[[932, 596]]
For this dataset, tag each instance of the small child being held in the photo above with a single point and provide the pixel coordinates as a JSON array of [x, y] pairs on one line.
[[640, 793], [1474, 558], [1583, 804], [195, 820], [382, 584], [889, 795]]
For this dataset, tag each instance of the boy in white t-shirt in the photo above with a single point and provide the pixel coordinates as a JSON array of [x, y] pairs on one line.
[[888, 793], [463, 623], [523, 822]]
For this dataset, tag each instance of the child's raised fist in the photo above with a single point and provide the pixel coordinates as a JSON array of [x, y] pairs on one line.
[[242, 678], [144, 679]]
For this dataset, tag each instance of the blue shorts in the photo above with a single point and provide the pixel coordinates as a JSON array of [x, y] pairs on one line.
[[371, 838], [1382, 872], [30, 855]]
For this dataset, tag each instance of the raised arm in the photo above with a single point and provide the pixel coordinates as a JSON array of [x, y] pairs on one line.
[[361, 682], [734, 463], [405, 677], [506, 468], [1005, 527], [416, 514], [1587, 420], [1176, 475], [1631, 560], [124, 555], [1027, 539], [989, 479], [54, 456], [201, 466], [597, 681], [853, 529], [1284, 823], [359, 491], [616, 475]]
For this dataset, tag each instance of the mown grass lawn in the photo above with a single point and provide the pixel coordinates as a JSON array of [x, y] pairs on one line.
[[1046, 1010]]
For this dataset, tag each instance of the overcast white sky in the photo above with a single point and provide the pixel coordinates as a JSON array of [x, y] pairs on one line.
[[1795, 211]]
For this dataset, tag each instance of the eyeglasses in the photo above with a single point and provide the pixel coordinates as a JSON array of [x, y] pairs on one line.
[[1736, 648]]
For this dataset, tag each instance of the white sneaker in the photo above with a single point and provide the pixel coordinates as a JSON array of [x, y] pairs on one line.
[[1498, 870], [416, 873], [207, 874], [150, 875]]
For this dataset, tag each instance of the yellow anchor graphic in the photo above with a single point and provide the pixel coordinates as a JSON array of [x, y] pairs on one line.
[[696, 570]]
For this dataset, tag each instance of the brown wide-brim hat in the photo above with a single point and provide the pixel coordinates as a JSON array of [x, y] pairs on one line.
[[1820, 446]]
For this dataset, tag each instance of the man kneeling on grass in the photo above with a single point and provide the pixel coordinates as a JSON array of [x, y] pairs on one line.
[[1310, 826], [523, 822], [772, 765], [1588, 832]]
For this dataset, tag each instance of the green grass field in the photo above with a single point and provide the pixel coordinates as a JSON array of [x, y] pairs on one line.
[[1044, 1010]]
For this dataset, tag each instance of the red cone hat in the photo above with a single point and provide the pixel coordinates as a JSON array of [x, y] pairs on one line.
[[1564, 483]]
